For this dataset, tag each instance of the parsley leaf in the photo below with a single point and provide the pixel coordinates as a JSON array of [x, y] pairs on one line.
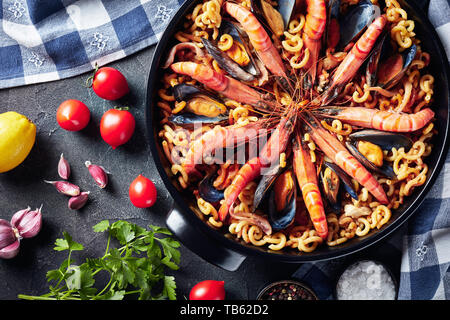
[[136, 267], [169, 287], [67, 244], [101, 226]]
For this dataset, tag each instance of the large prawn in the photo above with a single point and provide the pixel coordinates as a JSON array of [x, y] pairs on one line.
[[306, 174], [268, 156], [223, 84], [260, 41], [379, 119], [355, 58], [218, 138], [315, 23], [334, 150]]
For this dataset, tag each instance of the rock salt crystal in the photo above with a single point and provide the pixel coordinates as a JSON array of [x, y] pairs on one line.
[[366, 280]]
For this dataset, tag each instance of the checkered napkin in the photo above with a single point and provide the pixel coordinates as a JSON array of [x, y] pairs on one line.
[[45, 40], [423, 245]]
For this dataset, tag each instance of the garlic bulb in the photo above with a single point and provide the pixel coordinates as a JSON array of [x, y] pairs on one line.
[[24, 224], [9, 242], [28, 223]]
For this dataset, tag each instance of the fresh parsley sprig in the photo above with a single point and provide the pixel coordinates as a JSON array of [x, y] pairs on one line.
[[138, 267]]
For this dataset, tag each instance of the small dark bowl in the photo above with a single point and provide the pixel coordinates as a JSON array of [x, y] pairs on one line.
[[270, 286], [389, 271]]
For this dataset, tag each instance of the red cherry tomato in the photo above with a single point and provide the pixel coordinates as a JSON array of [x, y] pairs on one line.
[[117, 127], [208, 290], [142, 192], [73, 115], [110, 84]]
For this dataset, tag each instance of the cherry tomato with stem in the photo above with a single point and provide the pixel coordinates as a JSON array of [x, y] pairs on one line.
[[117, 126], [73, 115], [208, 290], [109, 83], [142, 192]]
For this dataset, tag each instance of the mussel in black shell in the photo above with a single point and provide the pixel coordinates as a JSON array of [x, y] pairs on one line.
[[189, 119], [246, 67], [386, 66], [226, 63], [333, 192], [374, 60], [207, 191], [199, 101], [354, 22], [274, 19], [391, 70], [265, 184], [368, 145], [283, 200], [330, 186], [332, 33]]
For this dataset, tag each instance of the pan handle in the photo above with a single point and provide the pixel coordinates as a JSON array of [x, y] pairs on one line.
[[204, 246]]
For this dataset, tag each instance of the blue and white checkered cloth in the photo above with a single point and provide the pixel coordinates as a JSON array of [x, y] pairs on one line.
[[45, 40], [424, 243]]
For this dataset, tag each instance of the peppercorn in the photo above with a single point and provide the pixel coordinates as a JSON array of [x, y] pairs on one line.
[[287, 290]]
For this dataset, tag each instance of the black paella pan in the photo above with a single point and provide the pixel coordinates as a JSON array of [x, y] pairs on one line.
[[228, 253]]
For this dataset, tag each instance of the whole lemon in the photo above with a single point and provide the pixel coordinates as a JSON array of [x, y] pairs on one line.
[[17, 137]]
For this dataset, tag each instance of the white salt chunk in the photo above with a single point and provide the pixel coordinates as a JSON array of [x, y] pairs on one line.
[[366, 280]]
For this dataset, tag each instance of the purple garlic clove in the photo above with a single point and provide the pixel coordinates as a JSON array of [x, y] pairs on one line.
[[7, 235], [63, 168], [28, 223], [17, 217], [98, 173], [9, 240], [65, 187], [78, 202], [10, 251]]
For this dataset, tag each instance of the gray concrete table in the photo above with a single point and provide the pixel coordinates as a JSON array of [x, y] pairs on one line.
[[24, 186]]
